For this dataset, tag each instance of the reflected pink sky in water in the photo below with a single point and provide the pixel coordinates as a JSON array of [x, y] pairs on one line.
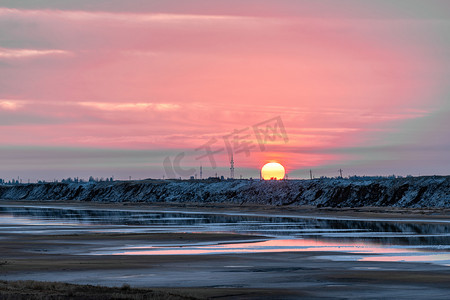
[[364, 251]]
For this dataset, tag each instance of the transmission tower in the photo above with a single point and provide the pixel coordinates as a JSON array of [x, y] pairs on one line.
[[232, 167]]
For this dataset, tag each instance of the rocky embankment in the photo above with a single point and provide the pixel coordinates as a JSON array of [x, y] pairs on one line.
[[427, 191]]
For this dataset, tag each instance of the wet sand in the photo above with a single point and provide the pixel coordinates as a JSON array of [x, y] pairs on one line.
[[268, 275], [290, 275]]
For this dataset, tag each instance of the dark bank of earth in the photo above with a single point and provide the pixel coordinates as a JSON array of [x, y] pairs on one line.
[[26, 290], [412, 192]]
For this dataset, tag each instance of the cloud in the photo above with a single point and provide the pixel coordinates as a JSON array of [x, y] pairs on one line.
[[121, 17], [130, 106], [6, 104], [36, 162], [27, 53], [380, 9]]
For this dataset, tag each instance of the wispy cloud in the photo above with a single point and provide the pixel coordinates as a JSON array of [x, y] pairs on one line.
[[26, 53], [131, 106], [6, 104], [125, 17]]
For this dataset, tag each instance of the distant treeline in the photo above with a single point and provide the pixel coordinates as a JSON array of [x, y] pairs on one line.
[[67, 180]]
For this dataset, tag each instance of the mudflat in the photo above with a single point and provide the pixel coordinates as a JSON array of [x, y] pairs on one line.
[[42, 265]]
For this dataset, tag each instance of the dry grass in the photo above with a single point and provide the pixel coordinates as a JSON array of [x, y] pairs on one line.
[[38, 290]]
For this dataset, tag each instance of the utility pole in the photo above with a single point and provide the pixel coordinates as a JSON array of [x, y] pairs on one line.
[[340, 171], [310, 174]]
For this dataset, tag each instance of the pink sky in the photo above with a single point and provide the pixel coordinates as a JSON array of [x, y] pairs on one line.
[[112, 88]]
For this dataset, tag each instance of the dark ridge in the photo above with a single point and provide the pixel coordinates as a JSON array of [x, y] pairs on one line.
[[412, 192]]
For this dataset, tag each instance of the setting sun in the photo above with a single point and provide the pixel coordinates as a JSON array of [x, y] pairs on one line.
[[272, 170]]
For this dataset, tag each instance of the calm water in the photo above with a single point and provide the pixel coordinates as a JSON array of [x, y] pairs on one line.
[[367, 240]]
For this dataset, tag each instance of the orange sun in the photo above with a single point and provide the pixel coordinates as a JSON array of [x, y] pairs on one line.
[[272, 170]]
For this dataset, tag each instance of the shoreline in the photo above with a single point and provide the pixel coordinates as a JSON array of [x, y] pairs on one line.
[[418, 215]]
